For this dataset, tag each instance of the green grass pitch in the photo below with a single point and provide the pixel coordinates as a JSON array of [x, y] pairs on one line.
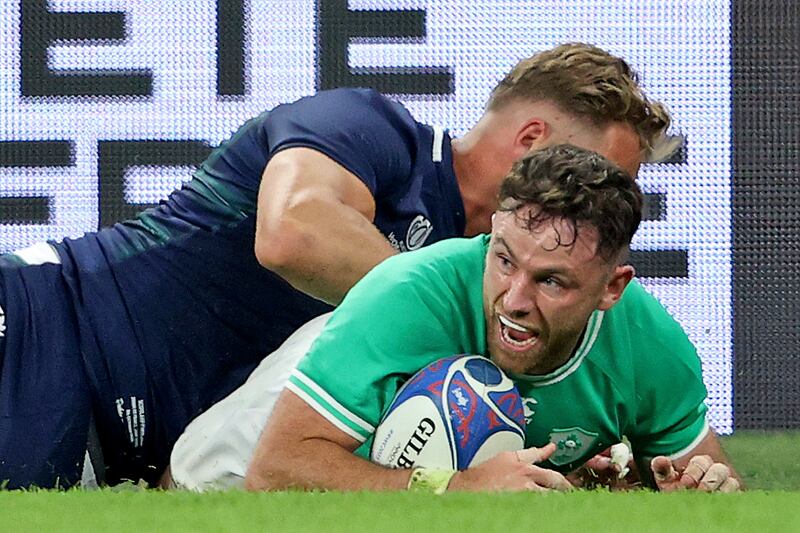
[[769, 462]]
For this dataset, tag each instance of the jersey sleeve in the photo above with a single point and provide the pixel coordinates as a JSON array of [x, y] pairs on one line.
[[398, 319], [670, 410], [368, 134]]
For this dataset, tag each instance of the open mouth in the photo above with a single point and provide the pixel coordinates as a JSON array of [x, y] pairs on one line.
[[516, 336]]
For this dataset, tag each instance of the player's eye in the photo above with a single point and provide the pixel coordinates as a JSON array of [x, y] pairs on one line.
[[552, 284], [504, 263]]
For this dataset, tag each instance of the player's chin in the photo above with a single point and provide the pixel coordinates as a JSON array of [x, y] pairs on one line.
[[510, 356], [511, 361]]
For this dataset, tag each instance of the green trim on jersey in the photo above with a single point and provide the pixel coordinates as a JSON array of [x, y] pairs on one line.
[[634, 374], [329, 408], [589, 336]]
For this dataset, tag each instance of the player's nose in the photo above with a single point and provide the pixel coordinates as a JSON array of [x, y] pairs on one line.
[[519, 299]]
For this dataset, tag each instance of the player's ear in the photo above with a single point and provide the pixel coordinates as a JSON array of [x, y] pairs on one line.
[[620, 277], [533, 134]]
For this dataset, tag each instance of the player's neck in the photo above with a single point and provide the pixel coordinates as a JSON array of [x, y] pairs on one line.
[[557, 361], [476, 182]]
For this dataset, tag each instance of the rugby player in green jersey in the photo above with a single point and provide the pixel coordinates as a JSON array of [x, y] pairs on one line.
[[141, 327], [549, 297]]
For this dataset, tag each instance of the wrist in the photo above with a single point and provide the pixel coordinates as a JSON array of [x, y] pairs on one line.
[[462, 481], [430, 480]]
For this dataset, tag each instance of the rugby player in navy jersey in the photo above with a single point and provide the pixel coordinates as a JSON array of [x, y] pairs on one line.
[[121, 337]]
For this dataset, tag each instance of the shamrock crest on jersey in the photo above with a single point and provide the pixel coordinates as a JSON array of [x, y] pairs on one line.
[[571, 444]]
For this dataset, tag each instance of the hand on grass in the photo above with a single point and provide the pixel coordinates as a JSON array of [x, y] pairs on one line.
[[702, 473], [608, 470]]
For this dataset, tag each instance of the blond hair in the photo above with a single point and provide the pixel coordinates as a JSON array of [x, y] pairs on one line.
[[590, 83]]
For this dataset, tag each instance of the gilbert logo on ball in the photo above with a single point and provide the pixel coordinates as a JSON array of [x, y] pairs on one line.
[[454, 413]]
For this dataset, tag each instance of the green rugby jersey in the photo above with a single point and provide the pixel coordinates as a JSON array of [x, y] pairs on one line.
[[634, 374]]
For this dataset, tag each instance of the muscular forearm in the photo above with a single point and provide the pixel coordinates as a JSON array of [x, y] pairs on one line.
[[332, 468], [299, 449], [314, 224], [323, 248]]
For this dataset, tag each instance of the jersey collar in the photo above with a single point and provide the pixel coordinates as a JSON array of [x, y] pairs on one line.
[[574, 362]]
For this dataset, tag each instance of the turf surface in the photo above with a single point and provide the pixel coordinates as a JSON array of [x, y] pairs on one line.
[[401, 512], [766, 461]]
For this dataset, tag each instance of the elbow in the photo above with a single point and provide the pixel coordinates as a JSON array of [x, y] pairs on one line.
[[256, 483], [251, 485], [280, 247], [272, 253], [271, 468], [262, 478], [259, 477]]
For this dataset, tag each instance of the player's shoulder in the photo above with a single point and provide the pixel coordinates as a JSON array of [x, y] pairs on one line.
[[643, 351], [656, 343], [351, 102], [355, 104], [356, 95], [644, 315]]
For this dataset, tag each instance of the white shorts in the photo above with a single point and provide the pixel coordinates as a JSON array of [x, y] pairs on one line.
[[215, 449]]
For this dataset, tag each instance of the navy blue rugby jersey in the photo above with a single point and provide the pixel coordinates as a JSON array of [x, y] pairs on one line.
[[174, 310]]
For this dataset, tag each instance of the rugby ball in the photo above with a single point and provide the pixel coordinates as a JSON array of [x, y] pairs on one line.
[[455, 413]]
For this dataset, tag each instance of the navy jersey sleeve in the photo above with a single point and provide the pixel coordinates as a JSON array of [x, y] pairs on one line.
[[365, 132]]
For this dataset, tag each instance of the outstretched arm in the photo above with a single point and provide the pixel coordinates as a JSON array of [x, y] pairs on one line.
[[300, 449], [314, 224]]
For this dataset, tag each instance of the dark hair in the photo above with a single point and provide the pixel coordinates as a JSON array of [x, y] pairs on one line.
[[566, 182], [588, 82]]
